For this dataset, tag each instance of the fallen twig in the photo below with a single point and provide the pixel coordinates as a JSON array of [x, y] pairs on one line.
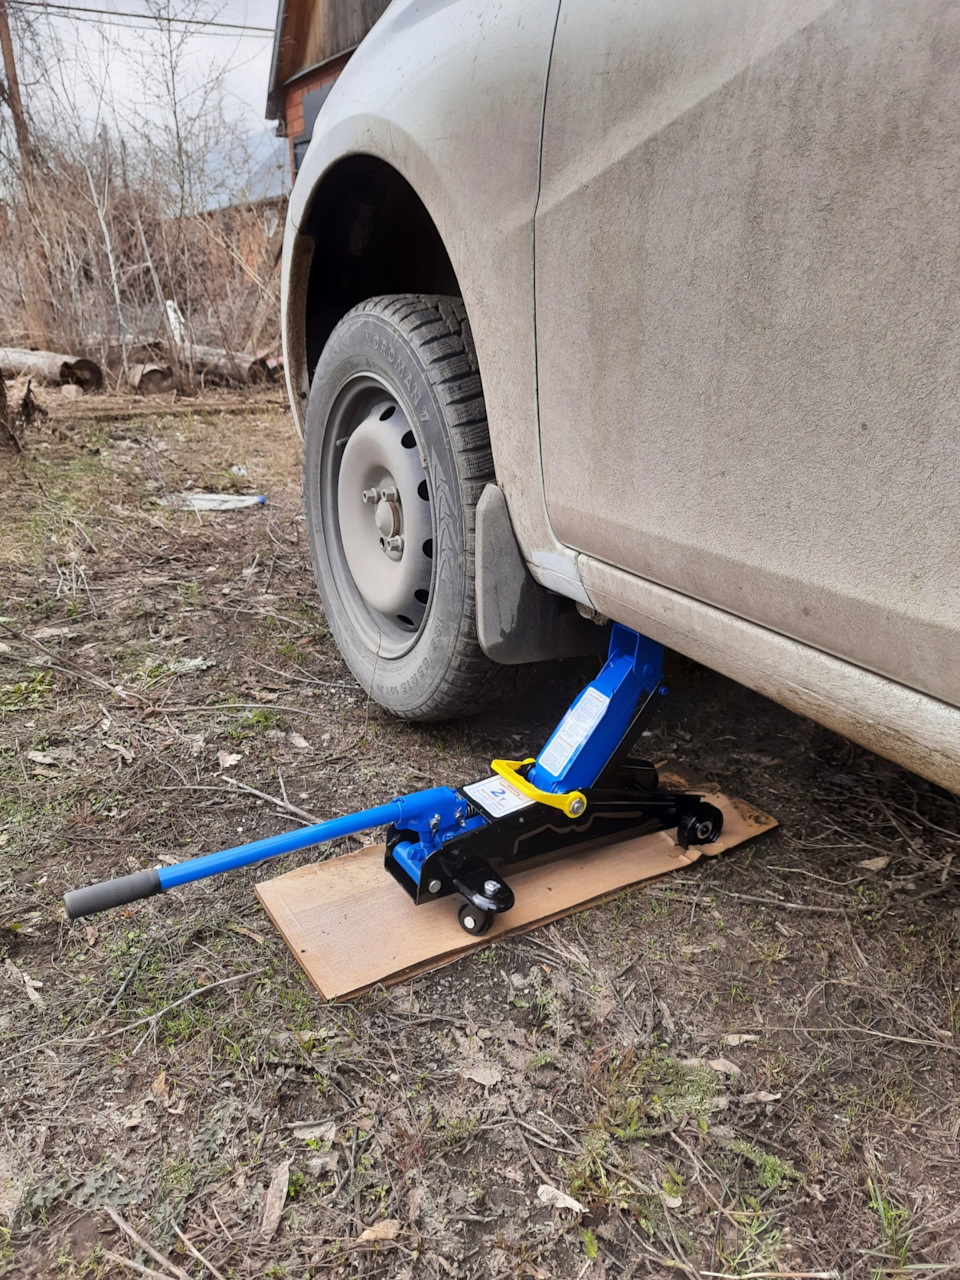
[[526, 1146], [225, 708], [77, 673], [281, 804], [153, 1017], [197, 1254], [147, 1248], [793, 906], [134, 1266]]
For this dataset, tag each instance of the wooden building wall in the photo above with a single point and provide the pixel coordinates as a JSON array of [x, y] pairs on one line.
[[315, 41], [316, 30]]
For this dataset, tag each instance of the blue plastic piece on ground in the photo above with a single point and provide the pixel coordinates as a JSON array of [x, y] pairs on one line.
[[590, 732]]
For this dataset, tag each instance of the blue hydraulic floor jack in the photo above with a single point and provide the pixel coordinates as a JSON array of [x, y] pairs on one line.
[[459, 840]]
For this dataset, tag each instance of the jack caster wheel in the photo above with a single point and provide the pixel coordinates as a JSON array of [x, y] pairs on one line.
[[474, 921], [701, 827]]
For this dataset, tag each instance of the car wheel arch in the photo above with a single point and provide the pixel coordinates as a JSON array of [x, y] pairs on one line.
[[365, 232]]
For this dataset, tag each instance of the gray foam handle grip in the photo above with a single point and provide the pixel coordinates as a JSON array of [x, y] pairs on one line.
[[112, 893]]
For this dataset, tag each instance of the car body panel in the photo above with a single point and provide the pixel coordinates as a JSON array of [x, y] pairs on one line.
[[917, 731], [450, 94], [747, 267]]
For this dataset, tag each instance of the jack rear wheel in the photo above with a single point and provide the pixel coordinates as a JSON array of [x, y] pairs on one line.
[[474, 921], [702, 827]]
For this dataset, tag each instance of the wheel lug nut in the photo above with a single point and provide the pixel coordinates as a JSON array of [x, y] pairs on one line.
[[389, 494], [371, 495], [394, 544], [490, 887]]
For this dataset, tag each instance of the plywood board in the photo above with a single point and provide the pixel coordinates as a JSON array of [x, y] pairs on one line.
[[351, 926]]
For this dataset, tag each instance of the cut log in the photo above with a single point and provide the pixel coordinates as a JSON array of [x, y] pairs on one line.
[[51, 368], [213, 363], [151, 379]]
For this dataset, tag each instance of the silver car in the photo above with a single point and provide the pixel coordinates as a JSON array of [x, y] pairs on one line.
[[643, 310]]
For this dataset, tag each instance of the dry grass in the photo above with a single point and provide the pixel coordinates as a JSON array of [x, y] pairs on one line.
[[151, 1088]]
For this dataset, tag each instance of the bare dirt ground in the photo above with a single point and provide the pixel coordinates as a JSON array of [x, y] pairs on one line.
[[748, 1069]]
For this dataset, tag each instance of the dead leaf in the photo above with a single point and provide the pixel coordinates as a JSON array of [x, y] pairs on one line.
[[31, 985], [122, 751], [724, 1066], [42, 757], [227, 759], [276, 1198], [486, 1076], [32, 989], [325, 1162], [186, 666], [874, 864], [247, 933], [387, 1229], [415, 1200], [669, 1026], [734, 1040], [159, 1087], [297, 740], [92, 934], [51, 633], [672, 1202], [557, 1199], [12, 1184], [312, 1130], [761, 1096], [133, 1119]]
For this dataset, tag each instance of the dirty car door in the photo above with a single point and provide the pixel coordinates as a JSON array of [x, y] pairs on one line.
[[747, 261]]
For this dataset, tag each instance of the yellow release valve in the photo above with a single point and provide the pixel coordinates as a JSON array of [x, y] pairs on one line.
[[573, 803]]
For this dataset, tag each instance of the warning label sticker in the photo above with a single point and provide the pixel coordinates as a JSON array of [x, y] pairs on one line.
[[496, 796], [575, 728]]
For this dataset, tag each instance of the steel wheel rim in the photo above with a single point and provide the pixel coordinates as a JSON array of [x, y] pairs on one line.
[[370, 444]]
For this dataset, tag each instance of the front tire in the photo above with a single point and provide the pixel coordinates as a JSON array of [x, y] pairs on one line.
[[396, 457]]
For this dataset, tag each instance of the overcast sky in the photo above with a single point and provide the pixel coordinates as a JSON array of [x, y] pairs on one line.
[[111, 52]]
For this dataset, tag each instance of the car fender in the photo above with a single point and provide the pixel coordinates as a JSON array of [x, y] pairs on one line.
[[417, 97]]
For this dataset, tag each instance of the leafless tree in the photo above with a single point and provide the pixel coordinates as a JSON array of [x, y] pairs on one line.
[[127, 223]]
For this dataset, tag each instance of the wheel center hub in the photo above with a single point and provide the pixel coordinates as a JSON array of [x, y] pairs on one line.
[[388, 518]]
